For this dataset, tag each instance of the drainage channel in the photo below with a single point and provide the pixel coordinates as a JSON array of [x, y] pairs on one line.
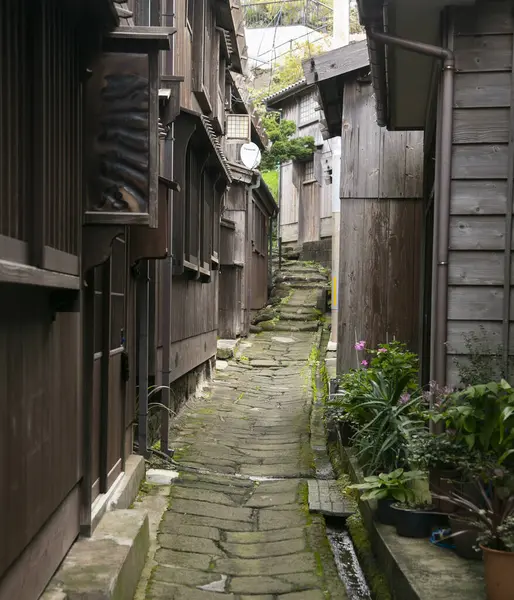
[[346, 561]]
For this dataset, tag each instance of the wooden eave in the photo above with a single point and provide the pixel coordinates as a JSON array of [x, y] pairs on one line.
[[266, 197], [230, 17], [328, 72], [206, 131], [157, 38], [276, 99], [240, 173]]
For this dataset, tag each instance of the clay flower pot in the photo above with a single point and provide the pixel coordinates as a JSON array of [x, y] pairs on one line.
[[499, 569]]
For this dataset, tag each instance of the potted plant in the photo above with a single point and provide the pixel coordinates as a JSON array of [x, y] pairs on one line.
[[387, 488], [495, 524], [393, 418], [416, 519]]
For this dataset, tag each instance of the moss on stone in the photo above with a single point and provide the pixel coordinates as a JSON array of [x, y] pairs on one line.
[[376, 579], [268, 325]]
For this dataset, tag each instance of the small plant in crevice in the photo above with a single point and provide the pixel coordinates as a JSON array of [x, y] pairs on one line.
[[482, 362]]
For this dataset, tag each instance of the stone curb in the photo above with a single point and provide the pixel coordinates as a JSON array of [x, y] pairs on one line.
[[415, 569], [108, 565]]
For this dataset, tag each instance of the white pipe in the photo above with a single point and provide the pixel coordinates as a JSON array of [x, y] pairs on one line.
[[341, 26]]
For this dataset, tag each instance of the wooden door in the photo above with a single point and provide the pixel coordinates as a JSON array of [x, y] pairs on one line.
[[109, 369]]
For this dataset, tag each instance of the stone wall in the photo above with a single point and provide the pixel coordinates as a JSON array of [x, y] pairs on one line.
[[320, 252]]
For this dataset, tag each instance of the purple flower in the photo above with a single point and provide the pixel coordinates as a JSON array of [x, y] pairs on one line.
[[360, 345], [364, 363], [404, 398], [381, 350]]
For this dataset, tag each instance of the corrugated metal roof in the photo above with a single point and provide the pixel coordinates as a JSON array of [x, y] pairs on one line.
[[302, 83]]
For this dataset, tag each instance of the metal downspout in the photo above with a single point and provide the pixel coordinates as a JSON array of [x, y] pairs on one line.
[[167, 280], [143, 313], [442, 203], [249, 265]]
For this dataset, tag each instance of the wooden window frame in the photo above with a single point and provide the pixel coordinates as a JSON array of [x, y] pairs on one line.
[[306, 121]]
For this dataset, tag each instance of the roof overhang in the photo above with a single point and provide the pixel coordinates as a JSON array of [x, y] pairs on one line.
[[276, 99], [328, 72], [402, 79]]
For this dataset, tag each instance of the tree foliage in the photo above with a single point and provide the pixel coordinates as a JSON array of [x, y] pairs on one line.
[[283, 146]]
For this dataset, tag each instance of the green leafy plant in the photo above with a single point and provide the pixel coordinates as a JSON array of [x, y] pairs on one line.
[[481, 416], [483, 362], [395, 361], [283, 145], [394, 485], [382, 442]]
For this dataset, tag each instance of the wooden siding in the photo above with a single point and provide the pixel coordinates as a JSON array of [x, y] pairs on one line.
[[381, 224], [379, 274], [377, 163], [304, 207], [40, 434], [480, 201], [40, 142]]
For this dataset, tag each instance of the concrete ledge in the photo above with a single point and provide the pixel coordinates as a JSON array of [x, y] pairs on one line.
[[123, 492], [416, 569], [108, 565]]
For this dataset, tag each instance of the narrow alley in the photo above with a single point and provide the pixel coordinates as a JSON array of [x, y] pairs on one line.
[[240, 524]]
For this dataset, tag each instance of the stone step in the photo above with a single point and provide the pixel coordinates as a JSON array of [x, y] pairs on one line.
[[301, 308], [108, 565], [299, 278], [292, 316], [326, 499], [295, 326]]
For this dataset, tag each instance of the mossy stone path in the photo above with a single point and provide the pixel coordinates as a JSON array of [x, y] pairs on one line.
[[229, 531]]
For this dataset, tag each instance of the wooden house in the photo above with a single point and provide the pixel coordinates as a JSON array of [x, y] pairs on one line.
[[305, 186], [185, 288], [75, 182], [458, 90], [381, 193], [246, 221]]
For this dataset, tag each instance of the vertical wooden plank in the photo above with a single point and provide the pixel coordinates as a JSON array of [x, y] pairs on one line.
[[413, 164], [39, 34], [392, 165], [105, 368]]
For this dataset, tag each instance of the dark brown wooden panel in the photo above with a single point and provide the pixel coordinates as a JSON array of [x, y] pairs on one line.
[[477, 90], [483, 53], [476, 268], [477, 233], [39, 394], [485, 18], [488, 161], [482, 125], [478, 197]]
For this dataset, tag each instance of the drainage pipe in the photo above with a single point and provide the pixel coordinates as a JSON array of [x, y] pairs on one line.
[[167, 275], [443, 174]]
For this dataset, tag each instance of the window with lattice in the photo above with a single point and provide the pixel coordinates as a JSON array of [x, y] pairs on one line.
[[308, 108], [308, 171], [238, 127]]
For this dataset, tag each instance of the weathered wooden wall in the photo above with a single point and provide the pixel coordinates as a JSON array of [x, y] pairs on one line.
[[480, 261], [306, 210], [381, 223]]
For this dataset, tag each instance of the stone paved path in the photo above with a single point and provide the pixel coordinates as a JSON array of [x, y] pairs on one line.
[[248, 537]]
